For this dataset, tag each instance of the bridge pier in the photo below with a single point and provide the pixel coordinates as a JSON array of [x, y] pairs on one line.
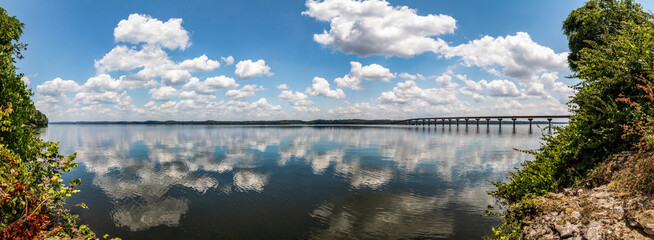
[[443, 122], [457, 123], [449, 122], [550, 121], [477, 122], [513, 121], [487, 123], [500, 123], [530, 119], [466, 123]]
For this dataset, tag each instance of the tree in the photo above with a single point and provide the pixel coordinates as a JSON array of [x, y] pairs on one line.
[[32, 195], [612, 51], [596, 19]]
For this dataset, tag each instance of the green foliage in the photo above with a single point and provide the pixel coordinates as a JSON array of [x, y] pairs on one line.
[[612, 52], [512, 219], [597, 18], [40, 120], [608, 71], [32, 195]]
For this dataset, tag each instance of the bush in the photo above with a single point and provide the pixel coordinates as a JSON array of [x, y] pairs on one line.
[[32, 195], [610, 71]]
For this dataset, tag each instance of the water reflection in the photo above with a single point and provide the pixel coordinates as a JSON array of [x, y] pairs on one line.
[[326, 182]]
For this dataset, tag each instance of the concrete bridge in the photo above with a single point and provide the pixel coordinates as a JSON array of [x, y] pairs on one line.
[[427, 121]]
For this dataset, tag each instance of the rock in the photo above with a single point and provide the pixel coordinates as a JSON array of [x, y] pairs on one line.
[[566, 230], [646, 221], [592, 214], [594, 230]]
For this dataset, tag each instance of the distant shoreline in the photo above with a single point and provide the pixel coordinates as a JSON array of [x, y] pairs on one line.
[[288, 122]]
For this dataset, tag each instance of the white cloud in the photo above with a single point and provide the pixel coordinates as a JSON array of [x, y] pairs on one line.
[[282, 86], [409, 76], [520, 57], [408, 90], [295, 99], [259, 108], [248, 69], [374, 72], [349, 81], [501, 88], [26, 80], [193, 82], [163, 93], [212, 84], [125, 59], [305, 109], [175, 77], [91, 98], [102, 83], [445, 81], [199, 64], [143, 28], [376, 28], [54, 89], [471, 88], [154, 63], [227, 60], [320, 87], [246, 91]]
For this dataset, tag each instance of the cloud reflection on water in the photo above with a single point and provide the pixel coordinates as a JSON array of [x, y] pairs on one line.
[[138, 166]]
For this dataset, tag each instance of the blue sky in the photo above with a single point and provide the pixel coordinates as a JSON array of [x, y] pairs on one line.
[[333, 59]]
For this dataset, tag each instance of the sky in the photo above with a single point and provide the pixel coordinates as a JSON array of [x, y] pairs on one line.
[[271, 60]]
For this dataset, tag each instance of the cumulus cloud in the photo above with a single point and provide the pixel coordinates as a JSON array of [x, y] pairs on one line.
[[199, 64], [102, 83], [54, 90], [227, 60], [259, 108], [282, 86], [295, 99], [501, 88], [305, 109], [91, 98], [153, 62], [520, 57], [471, 88], [320, 87], [409, 76], [246, 91], [163, 93], [374, 72], [376, 28], [408, 90], [248, 69], [26, 80], [445, 81], [139, 28], [212, 84]]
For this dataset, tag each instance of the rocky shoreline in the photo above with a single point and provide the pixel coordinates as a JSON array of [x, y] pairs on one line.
[[598, 213]]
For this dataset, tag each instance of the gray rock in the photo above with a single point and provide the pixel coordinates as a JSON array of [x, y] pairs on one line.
[[594, 230], [566, 230]]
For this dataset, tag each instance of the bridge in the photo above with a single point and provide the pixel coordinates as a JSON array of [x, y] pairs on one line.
[[427, 121]]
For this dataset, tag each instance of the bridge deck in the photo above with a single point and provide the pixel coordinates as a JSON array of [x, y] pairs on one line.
[[489, 117]]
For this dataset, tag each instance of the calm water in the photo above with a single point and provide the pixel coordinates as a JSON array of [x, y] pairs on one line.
[[208, 182]]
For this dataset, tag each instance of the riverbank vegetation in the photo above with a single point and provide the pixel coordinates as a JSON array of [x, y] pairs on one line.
[[32, 193], [612, 53]]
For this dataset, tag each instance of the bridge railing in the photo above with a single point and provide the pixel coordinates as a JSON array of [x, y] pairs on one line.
[[428, 120]]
